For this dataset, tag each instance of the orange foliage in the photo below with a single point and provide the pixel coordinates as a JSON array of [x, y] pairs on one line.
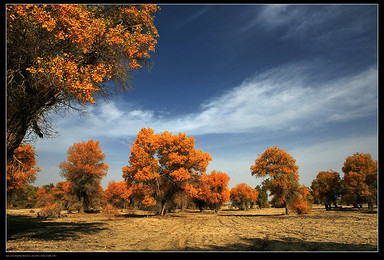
[[117, 194], [61, 191], [300, 202], [148, 201], [300, 205], [84, 44], [59, 194], [282, 170], [275, 162], [44, 197], [50, 210], [327, 187], [21, 169], [243, 196], [84, 169], [212, 190], [110, 211], [360, 179], [63, 194], [305, 192], [160, 165]]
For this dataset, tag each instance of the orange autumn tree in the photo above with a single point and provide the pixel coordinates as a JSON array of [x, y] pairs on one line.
[[63, 195], [301, 200], [360, 180], [282, 170], [62, 55], [243, 196], [84, 169], [45, 196], [161, 165], [327, 187], [117, 194], [212, 191], [59, 196], [21, 170]]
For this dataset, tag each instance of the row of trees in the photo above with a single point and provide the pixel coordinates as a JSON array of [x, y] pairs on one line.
[[165, 171], [358, 186], [60, 56]]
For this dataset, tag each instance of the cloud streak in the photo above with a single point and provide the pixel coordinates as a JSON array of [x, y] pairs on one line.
[[287, 98], [318, 25], [281, 98]]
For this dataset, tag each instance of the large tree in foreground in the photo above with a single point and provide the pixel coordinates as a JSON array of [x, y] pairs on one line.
[[161, 165], [281, 168], [84, 169], [62, 55]]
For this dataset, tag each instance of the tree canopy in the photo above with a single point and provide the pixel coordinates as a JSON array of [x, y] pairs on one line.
[[243, 196], [281, 168], [360, 179], [212, 191], [21, 170], [84, 169], [60, 54], [327, 187], [163, 164]]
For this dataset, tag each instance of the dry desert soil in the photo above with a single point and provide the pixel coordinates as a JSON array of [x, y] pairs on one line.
[[229, 230]]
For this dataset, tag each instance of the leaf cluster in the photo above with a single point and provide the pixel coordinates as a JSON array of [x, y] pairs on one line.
[[21, 168]]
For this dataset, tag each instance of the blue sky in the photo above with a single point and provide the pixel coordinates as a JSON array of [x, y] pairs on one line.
[[240, 79]]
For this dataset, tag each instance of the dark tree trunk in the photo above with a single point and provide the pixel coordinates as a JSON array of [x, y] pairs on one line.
[[335, 204], [25, 107], [370, 205], [163, 210], [286, 208], [17, 127]]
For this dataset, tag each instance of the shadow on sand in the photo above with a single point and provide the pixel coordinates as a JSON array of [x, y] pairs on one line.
[[31, 227], [285, 244]]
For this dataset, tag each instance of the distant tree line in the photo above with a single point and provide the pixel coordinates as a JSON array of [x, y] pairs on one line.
[[165, 172]]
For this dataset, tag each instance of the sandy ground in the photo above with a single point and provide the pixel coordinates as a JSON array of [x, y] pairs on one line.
[[230, 230]]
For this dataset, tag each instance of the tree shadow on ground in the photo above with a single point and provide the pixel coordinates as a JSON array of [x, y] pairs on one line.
[[132, 215], [252, 215], [31, 227], [284, 244]]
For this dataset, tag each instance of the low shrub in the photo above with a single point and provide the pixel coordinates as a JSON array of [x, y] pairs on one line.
[[50, 211], [300, 205], [110, 211]]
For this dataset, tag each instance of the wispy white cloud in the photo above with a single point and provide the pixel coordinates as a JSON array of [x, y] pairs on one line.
[[296, 18], [192, 17], [285, 98], [320, 24], [282, 98]]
